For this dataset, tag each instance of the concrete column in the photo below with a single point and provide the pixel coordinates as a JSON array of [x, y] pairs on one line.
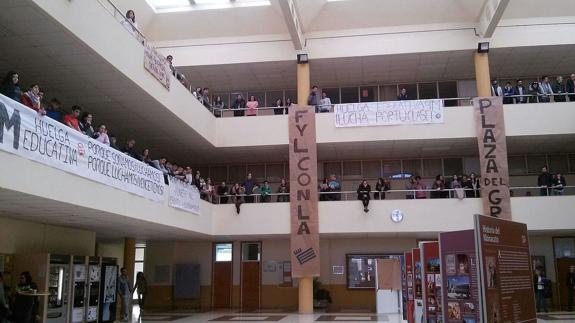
[[305, 295], [130, 257], [482, 77]]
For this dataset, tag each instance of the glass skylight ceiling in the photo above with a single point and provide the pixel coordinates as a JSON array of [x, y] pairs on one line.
[[162, 6]]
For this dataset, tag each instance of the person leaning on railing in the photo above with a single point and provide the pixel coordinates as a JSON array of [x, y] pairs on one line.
[[559, 184], [544, 181], [239, 106], [279, 107], [363, 194], [222, 192], [381, 187], [570, 87], [438, 187], [283, 191], [265, 192]]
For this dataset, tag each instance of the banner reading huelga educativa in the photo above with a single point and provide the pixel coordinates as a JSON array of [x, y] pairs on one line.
[[388, 113], [184, 196], [25, 133]]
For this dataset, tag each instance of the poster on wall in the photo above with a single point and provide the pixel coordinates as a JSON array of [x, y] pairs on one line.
[[408, 289], [157, 65], [460, 294], [507, 293], [432, 282], [417, 288], [403, 287]]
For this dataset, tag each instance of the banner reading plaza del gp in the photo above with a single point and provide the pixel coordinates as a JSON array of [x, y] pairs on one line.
[[388, 113], [25, 133]]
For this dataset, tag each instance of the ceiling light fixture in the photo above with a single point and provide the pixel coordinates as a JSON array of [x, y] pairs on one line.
[[483, 47]]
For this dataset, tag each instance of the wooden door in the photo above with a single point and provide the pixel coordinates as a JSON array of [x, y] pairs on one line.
[[563, 265], [222, 275], [250, 283]]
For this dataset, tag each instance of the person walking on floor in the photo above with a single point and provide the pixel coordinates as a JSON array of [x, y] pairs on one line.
[[141, 289], [125, 291]]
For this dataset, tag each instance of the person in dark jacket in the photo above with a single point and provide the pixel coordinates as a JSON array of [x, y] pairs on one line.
[[381, 187], [570, 87], [467, 186], [239, 106], [559, 90], [541, 285], [313, 98], [559, 184], [475, 184], [130, 149], [223, 193], [438, 188], [403, 95], [508, 93], [250, 185], [544, 181], [363, 194], [520, 90], [283, 189], [25, 306], [86, 125], [279, 107], [534, 92], [10, 86]]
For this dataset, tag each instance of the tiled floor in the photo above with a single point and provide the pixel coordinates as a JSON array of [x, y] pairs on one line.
[[273, 316]]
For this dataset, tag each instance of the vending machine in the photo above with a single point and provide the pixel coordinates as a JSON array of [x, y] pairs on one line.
[[108, 300], [94, 277], [58, 278], [79, 288]]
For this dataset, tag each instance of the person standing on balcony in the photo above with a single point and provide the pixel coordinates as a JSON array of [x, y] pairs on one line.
[[71, 120], [545, 89], [521, 91], [239, 106], [130, 22], [53, 110], [223, 193], [170, 59], [403, 95], [206, 98], [455, 185], [102, 135], [496, 89], [420, 188], [11, 87], [544, 181], [334, 186], [33, 99], [283, 190], [475, 185], [250, 185], [559, 184], [438, 187], [279, 107], [86, 124], [534, 93], [559, 90], [570, 87], [508, 93], [363, 194], [287, 105], [410, 187], [265, 192], [252, 106], [313, 98], [381, 187], [218, 106], [324, 103]]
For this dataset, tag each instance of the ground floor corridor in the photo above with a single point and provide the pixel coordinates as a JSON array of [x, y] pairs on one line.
[[283, 317]]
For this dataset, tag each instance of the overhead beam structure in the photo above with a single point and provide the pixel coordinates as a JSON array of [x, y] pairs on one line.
[[490, 16], [293, 23]]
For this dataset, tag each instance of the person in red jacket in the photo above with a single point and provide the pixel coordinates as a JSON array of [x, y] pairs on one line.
[[71, 120]]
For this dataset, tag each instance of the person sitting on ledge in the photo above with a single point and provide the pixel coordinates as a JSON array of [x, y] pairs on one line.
[[363, 194]]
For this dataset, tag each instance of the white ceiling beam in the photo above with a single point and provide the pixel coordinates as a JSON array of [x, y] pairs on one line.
[[293, 23], [490, 16]]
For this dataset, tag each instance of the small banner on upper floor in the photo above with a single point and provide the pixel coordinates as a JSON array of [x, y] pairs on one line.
[[184, 196], [388, 113], [490, 128], [304, 222], [157, 65], [25, 133]]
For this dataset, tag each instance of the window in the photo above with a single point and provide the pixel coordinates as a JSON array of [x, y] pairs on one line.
[[258, 172], [219, 174], [517, 165], [164, 6], [372, 169], [388, 92], [275, 172], [391, 168], [237, 174], [349, 95], [223, 252], [427, 91], [251, 251], [448, 90], [557, 164], [139, 257], [332, 168], [292, 95], [471, 165], [271, 97], [452, 166], [411, 167], [535, 163], [332, 94], [431, 168], [368, 94], [352, 170]]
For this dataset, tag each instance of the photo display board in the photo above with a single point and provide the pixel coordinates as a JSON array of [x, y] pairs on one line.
[[507, 293], [408, 290], [432, 281], [460, 292], [417, 288]]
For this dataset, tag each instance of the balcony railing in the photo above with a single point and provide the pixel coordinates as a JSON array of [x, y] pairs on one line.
[[525, 191]]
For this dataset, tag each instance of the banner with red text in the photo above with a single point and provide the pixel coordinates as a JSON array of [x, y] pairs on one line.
[[304, 238], [388, 113], [25, 133]]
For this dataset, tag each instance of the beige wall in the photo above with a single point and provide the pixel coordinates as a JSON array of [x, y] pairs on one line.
[[22, 237], [112, 249]]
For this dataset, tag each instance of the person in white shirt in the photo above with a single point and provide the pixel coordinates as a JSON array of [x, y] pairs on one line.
[[496, 90], [324, 103], [130, 23]]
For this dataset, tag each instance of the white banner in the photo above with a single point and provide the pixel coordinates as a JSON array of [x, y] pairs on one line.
[[24, 133], [157, 65], [388, 113], [184, 196]]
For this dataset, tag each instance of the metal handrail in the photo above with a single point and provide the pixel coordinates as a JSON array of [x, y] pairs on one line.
[[115, 12]]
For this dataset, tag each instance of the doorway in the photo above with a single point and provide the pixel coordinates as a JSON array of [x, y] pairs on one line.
[[563, 265], [222, 275], [250, 272]]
